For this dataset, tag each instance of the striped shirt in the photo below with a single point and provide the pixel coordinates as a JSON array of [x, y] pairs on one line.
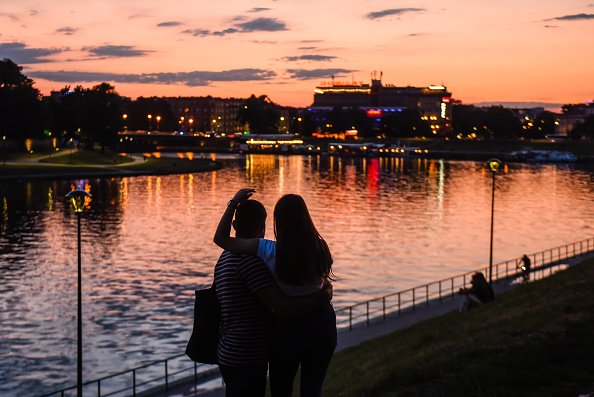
[[246, 323]]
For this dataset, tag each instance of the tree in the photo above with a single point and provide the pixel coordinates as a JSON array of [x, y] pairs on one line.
[[584, 130], [90, 115], [404, 123], [468, 120], [543, 124], [502, 123], [261, 114], [139, 110], [20, 103]]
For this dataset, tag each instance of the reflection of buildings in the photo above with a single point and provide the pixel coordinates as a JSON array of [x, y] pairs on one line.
[[204, 114], [378, 100]]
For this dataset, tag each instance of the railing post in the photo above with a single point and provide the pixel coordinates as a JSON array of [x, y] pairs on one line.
[[427, 294], [350, 318], [195, 372], [134, 382], [452, 280], [367, 313], [399, 303], [99, 388], [384, 307], [440, 290], [166, 377], [414, 298]]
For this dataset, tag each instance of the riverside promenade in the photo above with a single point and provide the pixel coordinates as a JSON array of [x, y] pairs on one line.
[[368, 326]]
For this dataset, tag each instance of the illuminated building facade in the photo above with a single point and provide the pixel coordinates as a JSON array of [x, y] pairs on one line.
[[207, 114], [434, 103]]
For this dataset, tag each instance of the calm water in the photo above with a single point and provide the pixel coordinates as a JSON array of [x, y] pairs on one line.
[[147, 244]]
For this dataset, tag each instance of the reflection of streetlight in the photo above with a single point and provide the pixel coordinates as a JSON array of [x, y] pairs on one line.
[[158, 120], [494, 165], [78, 200], [150, 121]]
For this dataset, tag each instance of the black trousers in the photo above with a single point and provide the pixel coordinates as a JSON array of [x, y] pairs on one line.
[[244, 381], [307, 341]]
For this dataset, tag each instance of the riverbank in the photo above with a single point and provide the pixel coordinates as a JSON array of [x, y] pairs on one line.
[[533, 341], [90, 164]]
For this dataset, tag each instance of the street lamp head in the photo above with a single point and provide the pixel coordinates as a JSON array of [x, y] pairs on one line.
[[78, 199], [494, 165]]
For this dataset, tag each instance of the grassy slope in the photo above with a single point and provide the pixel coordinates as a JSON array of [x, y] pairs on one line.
[[87, 158], [537, 340], [85, 161]]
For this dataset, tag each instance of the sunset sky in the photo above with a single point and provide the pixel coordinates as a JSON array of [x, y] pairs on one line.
[[483, 51]]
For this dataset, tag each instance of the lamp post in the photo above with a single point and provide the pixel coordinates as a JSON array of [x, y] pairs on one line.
[[78, 199], [125, 118], [150, 121], [158, 121], [493, 165]]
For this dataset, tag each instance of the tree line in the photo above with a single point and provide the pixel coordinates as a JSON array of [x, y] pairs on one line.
[[95, 115]]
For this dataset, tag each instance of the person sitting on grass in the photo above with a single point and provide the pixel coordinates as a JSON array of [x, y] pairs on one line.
[[479, 293]]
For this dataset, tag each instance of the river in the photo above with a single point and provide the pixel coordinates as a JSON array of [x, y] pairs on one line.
[[147, 244]]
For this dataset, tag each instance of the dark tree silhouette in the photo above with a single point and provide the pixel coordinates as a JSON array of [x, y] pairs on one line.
[[261, 114], [138, 111], [20, 103], [92, 116]]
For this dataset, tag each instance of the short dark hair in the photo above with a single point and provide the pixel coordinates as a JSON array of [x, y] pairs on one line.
[[249, 216]]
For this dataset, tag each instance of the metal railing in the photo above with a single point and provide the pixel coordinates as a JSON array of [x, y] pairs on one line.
[[397, 303], [136, 381], [164, 374]]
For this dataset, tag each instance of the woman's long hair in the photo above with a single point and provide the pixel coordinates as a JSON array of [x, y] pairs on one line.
[[302, 255]]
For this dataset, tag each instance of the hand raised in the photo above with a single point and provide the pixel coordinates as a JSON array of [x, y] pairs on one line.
[[243, 194]]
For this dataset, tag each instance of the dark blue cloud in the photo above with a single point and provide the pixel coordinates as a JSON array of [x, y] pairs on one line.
[[315, 58], [21, 54], [254, 25], [574, 17], [67, 30], [12, 17], [303, 74], [393, 11], [116, 51], [169, 24], [259, 9], [262, 25], [192, 79]]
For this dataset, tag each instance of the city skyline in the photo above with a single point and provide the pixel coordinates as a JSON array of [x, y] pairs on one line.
[[529, 52]]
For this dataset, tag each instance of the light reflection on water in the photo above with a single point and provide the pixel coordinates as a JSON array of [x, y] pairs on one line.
[[147, 244]]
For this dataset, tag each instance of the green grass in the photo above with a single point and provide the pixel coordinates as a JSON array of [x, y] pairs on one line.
[[86, 157], [537, 340], [168, 165], [79, 163]]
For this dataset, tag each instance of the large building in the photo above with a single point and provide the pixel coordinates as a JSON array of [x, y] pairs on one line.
[[207, 114], [433, 103]]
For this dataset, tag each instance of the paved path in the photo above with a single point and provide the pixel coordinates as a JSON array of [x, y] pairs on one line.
[[362, 333]]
